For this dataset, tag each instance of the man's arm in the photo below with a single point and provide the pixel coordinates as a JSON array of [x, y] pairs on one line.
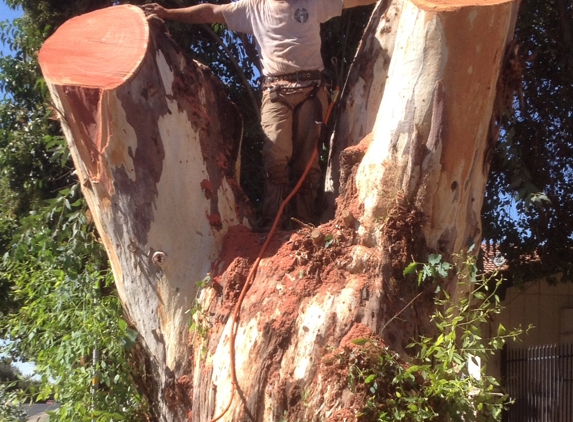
[[201, 13], [353, 3]]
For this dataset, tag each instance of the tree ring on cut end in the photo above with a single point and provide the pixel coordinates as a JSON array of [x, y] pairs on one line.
[[101, 49]]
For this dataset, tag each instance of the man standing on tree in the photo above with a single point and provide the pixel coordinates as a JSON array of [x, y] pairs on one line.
[[294, 99]]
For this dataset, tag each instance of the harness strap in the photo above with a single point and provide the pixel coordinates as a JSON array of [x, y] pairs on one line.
[[302, 76], [275, 95]]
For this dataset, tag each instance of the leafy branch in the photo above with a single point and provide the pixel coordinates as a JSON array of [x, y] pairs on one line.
[[437, 384]]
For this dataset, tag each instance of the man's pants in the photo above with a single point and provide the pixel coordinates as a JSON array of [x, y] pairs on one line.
[[292, 126]]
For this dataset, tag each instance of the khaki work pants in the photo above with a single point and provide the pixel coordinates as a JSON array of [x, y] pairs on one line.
[[292, 126]]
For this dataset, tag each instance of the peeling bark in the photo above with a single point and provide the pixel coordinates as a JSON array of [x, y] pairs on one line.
[[362, 91], [155, 157], [430, 134], [154, 141]]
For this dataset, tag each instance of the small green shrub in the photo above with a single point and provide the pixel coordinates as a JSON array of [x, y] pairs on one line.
[[67, 307], [436, 384]]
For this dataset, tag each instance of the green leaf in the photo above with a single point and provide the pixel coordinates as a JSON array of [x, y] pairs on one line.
[[434, 259], [410, 268], [370, 378], [360, 341], [129, 338], [442, 270]]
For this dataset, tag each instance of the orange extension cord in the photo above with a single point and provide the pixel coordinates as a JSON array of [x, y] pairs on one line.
[[254, 268]]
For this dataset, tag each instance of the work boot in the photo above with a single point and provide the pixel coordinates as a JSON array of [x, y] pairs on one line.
[[274, 196], [303, 207], [303, 201]]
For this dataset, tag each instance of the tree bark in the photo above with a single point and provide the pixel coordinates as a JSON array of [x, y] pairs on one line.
[[154, 141], [362, 91], [431, 128], [158, 176]]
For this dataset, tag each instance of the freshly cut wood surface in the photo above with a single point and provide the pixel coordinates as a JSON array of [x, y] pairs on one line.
[[446, 5], [101, 49]]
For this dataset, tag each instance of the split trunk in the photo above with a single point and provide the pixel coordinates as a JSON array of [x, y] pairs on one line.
[[154, 141]]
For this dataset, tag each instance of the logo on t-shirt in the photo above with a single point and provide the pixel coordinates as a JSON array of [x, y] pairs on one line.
[[301, 15]]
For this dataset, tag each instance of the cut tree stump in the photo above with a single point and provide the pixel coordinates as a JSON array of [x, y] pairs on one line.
[[154, 141]]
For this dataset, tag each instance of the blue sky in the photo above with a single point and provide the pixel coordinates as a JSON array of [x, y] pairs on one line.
[[27, 368], [7, 14]]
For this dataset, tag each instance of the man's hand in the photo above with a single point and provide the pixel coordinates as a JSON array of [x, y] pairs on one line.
[[155, 9], [201, 13]]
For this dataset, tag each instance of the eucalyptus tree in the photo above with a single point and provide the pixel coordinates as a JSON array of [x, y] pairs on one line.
[[155, 140], [384, 218]]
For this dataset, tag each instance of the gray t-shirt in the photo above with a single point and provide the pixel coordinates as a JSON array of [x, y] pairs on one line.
[[287, 31]]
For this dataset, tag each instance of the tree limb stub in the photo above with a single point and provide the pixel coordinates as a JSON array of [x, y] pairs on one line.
[[88, 54], [439, 98], [154, 140]]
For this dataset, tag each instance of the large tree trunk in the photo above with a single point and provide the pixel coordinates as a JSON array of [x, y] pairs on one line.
[[153, 141]]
